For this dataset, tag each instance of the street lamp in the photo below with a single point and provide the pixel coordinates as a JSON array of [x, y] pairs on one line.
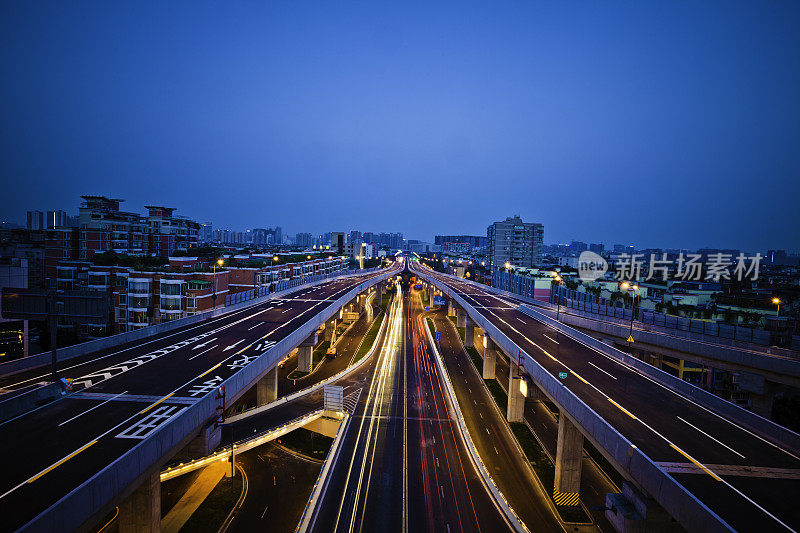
[[219, 262], [777, 301], [625, 285], [557, 279]]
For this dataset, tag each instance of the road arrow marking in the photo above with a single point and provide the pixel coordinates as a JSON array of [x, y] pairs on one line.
[[204, 344], [233, 345]]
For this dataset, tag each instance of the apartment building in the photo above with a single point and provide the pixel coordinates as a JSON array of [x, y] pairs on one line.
[[515, 242], [103, 227]]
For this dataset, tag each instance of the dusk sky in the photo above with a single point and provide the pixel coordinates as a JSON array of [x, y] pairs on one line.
[[672, 124]]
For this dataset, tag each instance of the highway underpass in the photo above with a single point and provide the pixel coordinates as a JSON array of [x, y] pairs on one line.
[[69, 462], [728, 476]]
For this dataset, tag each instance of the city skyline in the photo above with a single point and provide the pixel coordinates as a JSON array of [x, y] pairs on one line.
[[607, 243], [518, 110]]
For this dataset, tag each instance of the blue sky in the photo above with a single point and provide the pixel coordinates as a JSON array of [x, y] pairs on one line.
[[671, 124]]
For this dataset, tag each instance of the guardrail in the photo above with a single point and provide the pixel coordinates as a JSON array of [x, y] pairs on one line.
[[125, 473], [77, 350], [764, 427], [240, 446], [321, 485], [313, 388], [500, 500], [676, 500]]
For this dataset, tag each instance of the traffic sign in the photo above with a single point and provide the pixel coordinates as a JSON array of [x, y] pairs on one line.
[[630, 338], [427, 307], [437, 336], [562, 375]]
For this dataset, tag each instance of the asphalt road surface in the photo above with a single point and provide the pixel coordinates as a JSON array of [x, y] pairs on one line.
[[737, 474], [401, 465], [124, 394]]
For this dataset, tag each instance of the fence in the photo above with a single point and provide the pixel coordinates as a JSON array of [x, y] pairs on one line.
[[285, 284], [590, 303]]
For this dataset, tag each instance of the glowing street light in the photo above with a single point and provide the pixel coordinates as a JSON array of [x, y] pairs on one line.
[[219, 262], [275, 258], [777, 301]]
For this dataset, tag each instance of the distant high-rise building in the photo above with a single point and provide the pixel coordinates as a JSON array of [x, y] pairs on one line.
[[338, 241], [304, 239], [578, 246], [516, 242], [460, 242], [206, 233], [35, 220], [596, 248], [57, 219]]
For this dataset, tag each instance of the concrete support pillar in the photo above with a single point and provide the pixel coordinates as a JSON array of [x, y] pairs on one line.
[[379, 293], [489, 358], [451, 308], [209, 438], [330, 327], [305, 353], [761, 403], [516, 401], [462, 318], [469, 332], [141, 511], [267, 388], [569, 457]]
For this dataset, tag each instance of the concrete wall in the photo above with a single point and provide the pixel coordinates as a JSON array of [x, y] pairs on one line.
[[97, 495], [18, 403], [681, 504]]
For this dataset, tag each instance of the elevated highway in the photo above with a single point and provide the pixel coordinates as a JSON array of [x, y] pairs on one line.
[[73, 460], [711, 465]]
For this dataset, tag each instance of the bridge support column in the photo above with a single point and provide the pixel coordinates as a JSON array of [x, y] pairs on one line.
[[461, 318], [761, 403], [305, 353], [569, 457], [202, 445], [469, 332], [141, 511], [330, 326], [489, 358], [267, 388], [516, 401], [379, 293], [451, 308]]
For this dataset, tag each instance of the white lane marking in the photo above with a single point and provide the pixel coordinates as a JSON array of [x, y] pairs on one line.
[[601, 370], [233, 345], [710, 437], [551, 339], [91, 408], [209, 341], [204, 351], [518, 318], [254, 327]]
